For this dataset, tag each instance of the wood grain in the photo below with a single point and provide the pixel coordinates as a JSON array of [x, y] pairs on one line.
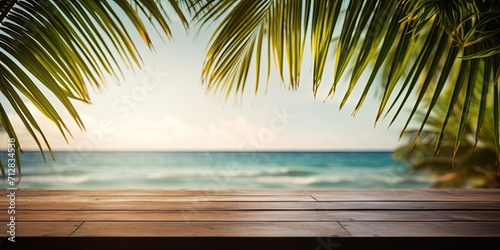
[[46, 229], [423, 229], [231, 206], [258, 216], [350, 193], [212, 229], [157, 198], [256, 213]]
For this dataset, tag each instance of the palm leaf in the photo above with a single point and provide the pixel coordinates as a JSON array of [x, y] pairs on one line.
[[66, 47], [442, 29], [464, 159]]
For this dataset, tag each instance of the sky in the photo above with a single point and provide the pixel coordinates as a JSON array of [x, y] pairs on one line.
[[164, 106]]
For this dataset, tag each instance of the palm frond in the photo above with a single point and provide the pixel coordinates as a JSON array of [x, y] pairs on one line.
[[473, 161], [452, 37], [66, 47]]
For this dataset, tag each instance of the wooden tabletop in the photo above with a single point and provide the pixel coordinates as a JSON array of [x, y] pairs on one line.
[[255, 213], [322, 213]]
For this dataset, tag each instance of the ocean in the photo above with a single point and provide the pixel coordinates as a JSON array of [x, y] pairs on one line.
[[216, 170]]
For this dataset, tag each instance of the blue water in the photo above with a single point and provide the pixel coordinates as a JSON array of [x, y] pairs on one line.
[[216, 170]]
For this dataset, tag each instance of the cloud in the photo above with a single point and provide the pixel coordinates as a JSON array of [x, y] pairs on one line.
[[170, 132], [178, 128], [49, 129]]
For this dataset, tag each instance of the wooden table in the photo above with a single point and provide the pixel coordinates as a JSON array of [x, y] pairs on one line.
[[317, 219]]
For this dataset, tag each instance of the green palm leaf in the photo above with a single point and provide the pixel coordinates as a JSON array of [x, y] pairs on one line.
[[66, 47], [464, 159], [426, 38]]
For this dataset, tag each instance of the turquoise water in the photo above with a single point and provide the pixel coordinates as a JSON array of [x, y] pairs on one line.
[[216, 170]]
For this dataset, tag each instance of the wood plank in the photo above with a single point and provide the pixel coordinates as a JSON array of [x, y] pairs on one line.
[[212, 229], [485, 216], [423, 229], [232, 206], [169, 198], [411, 195], [252, 243], [164, 192], [182, 192], [320, 195], [257, 213], [258, 216], [42, 229]]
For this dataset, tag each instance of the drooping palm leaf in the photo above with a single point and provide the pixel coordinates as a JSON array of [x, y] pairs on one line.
[[451, 36], [470, 162], [65, 47]]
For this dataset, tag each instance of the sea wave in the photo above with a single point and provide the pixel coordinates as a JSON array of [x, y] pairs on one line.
[[56, 179], [310, 180], [169, 175], [227, 170], [351, 181]]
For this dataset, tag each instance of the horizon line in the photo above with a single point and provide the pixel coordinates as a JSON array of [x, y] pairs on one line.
[[219, 150]]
